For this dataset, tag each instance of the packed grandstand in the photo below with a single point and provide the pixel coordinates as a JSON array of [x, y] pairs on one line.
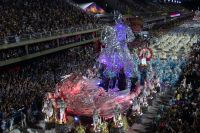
[[133, 68]]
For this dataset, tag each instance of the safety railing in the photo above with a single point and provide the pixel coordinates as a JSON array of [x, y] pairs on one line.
[[26, 37]]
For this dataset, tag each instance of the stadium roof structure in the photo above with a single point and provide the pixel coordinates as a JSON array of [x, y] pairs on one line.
[[92, 7]]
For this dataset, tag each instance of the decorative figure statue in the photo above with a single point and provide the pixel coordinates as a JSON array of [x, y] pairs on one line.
[[117, 116], [62, 107], [48, 110], [96, 121], [116, 55]]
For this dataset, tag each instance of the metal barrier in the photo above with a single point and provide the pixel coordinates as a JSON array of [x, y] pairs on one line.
[[26, 37]]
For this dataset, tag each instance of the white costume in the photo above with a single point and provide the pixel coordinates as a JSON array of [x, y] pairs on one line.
[[117, 116], [96, 121], [48, 110], [62, 107]]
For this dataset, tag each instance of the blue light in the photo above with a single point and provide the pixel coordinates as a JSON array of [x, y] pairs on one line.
[[76, 119]]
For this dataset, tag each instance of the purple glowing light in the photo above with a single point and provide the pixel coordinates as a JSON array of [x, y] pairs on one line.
[[116, 55], [121, 32]]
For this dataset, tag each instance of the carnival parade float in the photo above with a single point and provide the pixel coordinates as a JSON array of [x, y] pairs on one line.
[[107, 93], [81, 95]]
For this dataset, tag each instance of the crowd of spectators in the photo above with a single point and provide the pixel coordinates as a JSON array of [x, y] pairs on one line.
[[41, 47], [27, 83], [12, 53], [27, 17], [182, 114], [7, 54]]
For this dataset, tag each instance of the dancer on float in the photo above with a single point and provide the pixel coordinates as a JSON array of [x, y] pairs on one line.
[[61, 104], [97, 122], [117, 119], [48, 109]]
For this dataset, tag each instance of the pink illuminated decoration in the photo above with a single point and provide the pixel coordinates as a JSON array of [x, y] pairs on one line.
[[175, 15], [82, 96]]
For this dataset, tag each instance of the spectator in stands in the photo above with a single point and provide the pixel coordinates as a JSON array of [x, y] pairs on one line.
[[34, 48], [31, 18], [26, 85]]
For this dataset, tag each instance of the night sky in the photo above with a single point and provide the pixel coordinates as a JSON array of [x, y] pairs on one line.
[[191, 4]]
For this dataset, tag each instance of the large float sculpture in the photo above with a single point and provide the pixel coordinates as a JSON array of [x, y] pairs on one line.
[[116, 55], [80, 95]]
